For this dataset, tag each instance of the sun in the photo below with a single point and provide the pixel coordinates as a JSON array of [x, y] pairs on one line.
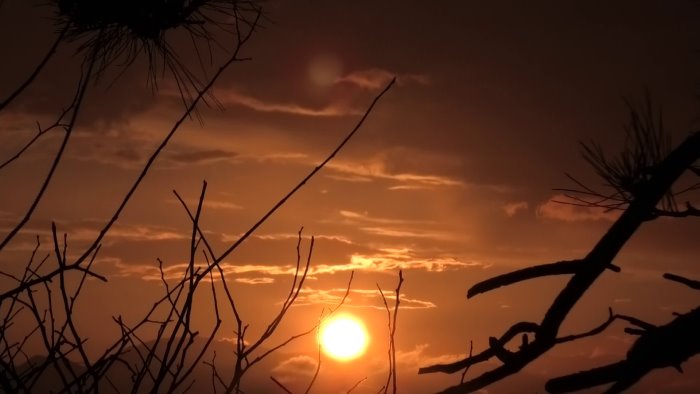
[[343, 337]]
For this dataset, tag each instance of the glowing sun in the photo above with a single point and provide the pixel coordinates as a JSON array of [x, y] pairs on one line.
[[343, 337]]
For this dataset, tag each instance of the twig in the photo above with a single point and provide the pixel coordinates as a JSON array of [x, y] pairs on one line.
[[280, 385], [37, 70], [391, 378]]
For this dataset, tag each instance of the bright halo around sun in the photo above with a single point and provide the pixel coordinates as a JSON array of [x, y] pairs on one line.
[[343, 337]]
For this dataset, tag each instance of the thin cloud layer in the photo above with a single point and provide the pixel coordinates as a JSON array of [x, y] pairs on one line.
[[89, 230], [409, 233], [511, 209], [201, 156], [228, 238], [255, 281], [559, 207], [209, 204], [366, 218], [295, 367], [418, 357], [394, 259], [362, 172], [358, 298], [383, 260], [234, 97], [375, 78]]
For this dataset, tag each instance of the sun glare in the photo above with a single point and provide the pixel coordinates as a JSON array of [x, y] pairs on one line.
[[343, 337]]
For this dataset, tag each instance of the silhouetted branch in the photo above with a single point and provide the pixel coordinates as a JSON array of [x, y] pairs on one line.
[[280, 385], [40, 66], [168, 361], [512, 332], [318, 354], [628, 174], [356, 385], [656, 186], [232, 59], [657, 347], [75, 109], [594, 331], [311, 174], [466, 369], [693, 284], [558, 268], [391, 378]]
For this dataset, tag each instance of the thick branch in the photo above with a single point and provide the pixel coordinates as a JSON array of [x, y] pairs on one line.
[[597, 261], [693, 284], [559, 268]]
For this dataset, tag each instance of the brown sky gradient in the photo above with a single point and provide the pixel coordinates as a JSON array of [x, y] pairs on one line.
[[450, 179]]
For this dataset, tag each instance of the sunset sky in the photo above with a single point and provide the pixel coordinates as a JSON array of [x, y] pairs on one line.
[[450, 179]]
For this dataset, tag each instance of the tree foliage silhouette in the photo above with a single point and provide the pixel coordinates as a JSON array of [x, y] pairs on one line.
[[640, 183], [111, 34]]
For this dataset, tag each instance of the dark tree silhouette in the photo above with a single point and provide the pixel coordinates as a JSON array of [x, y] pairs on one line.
[[669, 345], [109, 33], [641, 177]]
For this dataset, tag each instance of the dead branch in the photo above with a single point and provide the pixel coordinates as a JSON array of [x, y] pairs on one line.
[[654, 188], [37, 70], [693, 284], [75, 110], [280, 385], [537, 271], [657, 347], [391, 378]]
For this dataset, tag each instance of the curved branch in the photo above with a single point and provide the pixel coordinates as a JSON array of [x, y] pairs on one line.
[[558, 268], [37, 70], [597, 261], [76, 105], [513, 331]]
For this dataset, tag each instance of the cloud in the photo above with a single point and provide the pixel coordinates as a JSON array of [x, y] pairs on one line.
[[208, 204], [409, 187], [408, 233], [511, 209], [417, 357], [276, 157], [349, 178], [234, 97], [295, 367], [559, 207], [131, 152], [391, 260], [375, 78], [286, 236], [89, 230], [358, 298], [193, 156], [145, 233], [256, 281], [232, 341], [361, 172], [151, 272], [364, 217], [384, 260], [125, 152]]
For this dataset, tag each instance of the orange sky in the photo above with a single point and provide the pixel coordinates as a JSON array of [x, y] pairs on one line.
[[450, 179]]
